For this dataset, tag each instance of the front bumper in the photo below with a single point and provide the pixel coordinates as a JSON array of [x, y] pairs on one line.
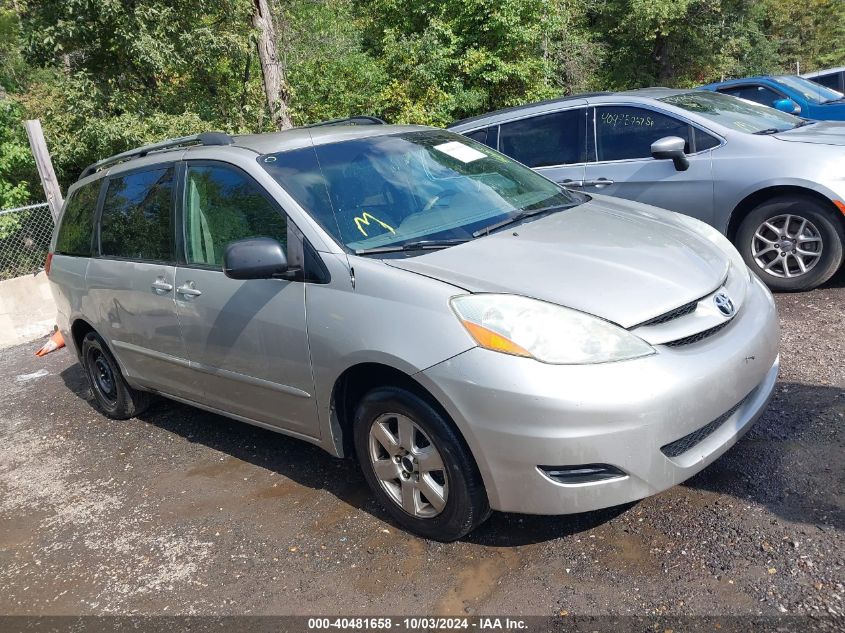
[[517, 413]]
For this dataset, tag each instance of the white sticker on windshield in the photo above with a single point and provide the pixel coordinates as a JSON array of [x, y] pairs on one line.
[[463, 153]]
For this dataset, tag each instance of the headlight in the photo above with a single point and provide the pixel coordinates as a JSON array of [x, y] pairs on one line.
[[546, 332]]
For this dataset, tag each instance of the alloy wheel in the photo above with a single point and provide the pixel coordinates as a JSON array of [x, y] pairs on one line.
[[408, 465], [786, 246]]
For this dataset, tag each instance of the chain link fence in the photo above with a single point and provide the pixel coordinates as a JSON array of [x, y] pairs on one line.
[[25, 235]]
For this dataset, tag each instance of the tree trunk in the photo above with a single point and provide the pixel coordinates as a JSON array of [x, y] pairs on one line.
[[275, 83], [663, 60]]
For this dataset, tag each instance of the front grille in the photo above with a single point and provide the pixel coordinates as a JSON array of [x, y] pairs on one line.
[[699, 336], [680, 446], [677, 313]]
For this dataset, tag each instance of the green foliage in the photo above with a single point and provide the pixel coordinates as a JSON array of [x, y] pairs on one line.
[[16, 163], [107, 75], [452, 59], [330, 74]]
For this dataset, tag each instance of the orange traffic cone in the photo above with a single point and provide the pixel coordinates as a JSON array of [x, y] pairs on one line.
[[56, 342]]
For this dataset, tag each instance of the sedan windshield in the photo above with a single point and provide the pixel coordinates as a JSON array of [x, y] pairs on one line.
[[417, 190], [734, 113], [811, 91]]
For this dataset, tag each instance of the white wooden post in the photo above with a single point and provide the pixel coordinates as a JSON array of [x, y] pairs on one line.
[[45, 167]]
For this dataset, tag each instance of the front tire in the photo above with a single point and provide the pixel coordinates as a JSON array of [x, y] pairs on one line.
[[792, 243], [417, 465], [115, 398]]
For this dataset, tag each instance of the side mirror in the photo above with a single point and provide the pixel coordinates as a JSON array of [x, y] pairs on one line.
[[256, 258], [671, 147], [787, 105]]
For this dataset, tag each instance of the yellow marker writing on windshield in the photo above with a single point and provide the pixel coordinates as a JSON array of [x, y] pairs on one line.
[[364, 220]]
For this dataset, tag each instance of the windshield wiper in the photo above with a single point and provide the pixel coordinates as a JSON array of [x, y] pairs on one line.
[[417, 245], [521, 216], [804, 122], [769, 130]]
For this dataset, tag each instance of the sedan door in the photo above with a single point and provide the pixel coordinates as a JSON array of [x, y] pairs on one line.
[[625, 168], [246, 340]]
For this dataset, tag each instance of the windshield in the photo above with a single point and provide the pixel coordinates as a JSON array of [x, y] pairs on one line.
[[811, 91], [397, 189], [737, 114]]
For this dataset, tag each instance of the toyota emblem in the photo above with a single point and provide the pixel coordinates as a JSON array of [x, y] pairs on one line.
[[724, 304]]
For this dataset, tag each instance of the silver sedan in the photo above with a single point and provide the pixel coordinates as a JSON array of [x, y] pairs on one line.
[[772, 182]]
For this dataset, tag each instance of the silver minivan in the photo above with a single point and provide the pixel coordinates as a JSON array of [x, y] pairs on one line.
[[477, 336]]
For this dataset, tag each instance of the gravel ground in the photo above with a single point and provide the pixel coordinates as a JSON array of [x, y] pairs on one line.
[[184, 512]]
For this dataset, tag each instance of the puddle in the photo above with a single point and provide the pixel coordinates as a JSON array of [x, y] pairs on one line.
[[476, 582]]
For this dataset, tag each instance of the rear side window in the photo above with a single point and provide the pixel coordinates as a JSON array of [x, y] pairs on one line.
[[223, 205], [136, 218], [546, 140], [74, 236], [624, 132]]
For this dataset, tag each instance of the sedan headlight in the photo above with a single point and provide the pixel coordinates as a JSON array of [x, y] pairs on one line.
[[544, 331]]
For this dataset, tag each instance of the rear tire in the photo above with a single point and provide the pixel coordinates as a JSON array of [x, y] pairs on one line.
[[408, 450], [115, 398], [792, 242]]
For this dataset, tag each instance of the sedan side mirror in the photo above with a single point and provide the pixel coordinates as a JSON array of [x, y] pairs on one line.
[[671, 147], [787, 105], [256, 258]]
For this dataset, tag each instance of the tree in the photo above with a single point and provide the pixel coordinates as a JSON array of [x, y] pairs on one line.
[[275, 83]]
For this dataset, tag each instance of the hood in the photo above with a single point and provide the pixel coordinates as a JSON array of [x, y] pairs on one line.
[[618, 260], [821, 132]]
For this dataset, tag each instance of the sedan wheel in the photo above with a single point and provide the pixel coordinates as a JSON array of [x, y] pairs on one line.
[[787, 246], [792, 242]]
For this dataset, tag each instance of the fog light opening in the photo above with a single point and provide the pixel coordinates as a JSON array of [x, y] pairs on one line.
[[582, 473]]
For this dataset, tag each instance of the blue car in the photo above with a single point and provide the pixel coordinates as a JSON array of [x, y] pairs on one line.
[[788, 93]]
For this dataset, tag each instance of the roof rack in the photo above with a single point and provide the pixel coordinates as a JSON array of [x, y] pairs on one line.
[[205, 138], [352, 120]]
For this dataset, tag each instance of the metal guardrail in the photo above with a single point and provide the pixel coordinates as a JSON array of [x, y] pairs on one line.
[[25, 234]]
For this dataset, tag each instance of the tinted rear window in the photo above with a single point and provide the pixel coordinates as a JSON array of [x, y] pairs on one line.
[[545, 140], [136, 217], [74, 236]]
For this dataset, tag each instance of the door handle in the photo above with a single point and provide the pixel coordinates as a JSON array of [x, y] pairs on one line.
[[599, 182], [187, 289], [161, 285], [568, 182]]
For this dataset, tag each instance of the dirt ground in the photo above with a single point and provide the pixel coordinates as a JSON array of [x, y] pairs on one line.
[[184, 512]]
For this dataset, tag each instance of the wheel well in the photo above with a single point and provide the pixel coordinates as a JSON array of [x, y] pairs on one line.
[[357, 380], [759, 197], [78, 331]]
